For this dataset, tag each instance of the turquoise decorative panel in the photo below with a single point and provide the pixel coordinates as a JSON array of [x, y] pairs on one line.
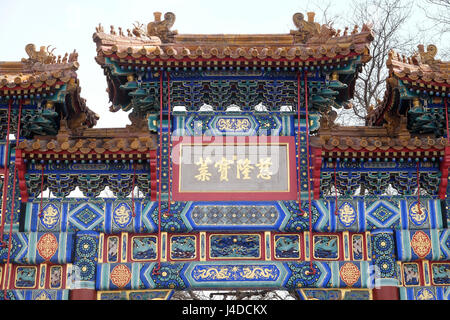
[[38, 247], [135, 295], [72, 215], [241, 124], [244, 274], [287, 246], [446, 206], [235, 215], [235, 246], [183, 247], [430, 244], [140, 276], [35, 294], [384, 258], [206, 246], [326, 247], [383, 214], [26, 277], [335, 274], [85, 259], [440, 273], [113, 216], [334, 294], [144, 248], [17, 199], [112, 295], [425, 293]]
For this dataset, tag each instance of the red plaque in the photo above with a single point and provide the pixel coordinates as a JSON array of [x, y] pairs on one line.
[[251, 168]]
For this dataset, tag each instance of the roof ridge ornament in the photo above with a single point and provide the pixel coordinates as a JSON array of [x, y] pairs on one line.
[[161, 29], [311, 29], [45, 56], [428, 56]]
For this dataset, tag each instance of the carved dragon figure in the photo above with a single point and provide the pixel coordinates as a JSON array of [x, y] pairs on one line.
[[425, 57], [43, 55], [161, 29], [310, 29]]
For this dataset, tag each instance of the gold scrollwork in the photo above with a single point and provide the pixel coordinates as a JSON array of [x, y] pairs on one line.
[[50, 216], [233, 124]]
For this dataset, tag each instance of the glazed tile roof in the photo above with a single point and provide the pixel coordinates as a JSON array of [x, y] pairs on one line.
[[373, 139], [310, 41], [96, 140], [44, 73], [421, 67], [41, 69], [419, 72]]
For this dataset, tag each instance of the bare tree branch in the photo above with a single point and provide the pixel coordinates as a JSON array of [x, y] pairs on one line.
[[441, 16]]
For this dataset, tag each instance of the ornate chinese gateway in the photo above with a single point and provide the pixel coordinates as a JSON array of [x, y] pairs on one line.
[[232, 173]]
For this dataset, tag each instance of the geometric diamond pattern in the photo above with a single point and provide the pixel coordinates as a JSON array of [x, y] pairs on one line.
[[383, 214], [86, 216]]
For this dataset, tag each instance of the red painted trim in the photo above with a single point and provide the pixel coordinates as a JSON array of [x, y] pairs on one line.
[[365, 247], [421, 273], [446, 120], [12, 276], [386, 293], [390, 150], [22, 169], [105, 249], [444, 167], [26, 154], [229, 196], [208, 235], [48, 276], [83, 294], [5, 176], [32, 87], [317, 166]]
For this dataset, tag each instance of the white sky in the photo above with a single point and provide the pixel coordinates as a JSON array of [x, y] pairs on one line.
[[68, 25]]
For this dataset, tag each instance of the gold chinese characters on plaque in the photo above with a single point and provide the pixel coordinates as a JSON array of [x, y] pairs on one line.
[[227, 167]]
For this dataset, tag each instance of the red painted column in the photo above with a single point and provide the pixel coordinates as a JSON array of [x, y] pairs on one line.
[[83, 294], [386, 293], [21, 171], [445, 164], [317, 167]]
